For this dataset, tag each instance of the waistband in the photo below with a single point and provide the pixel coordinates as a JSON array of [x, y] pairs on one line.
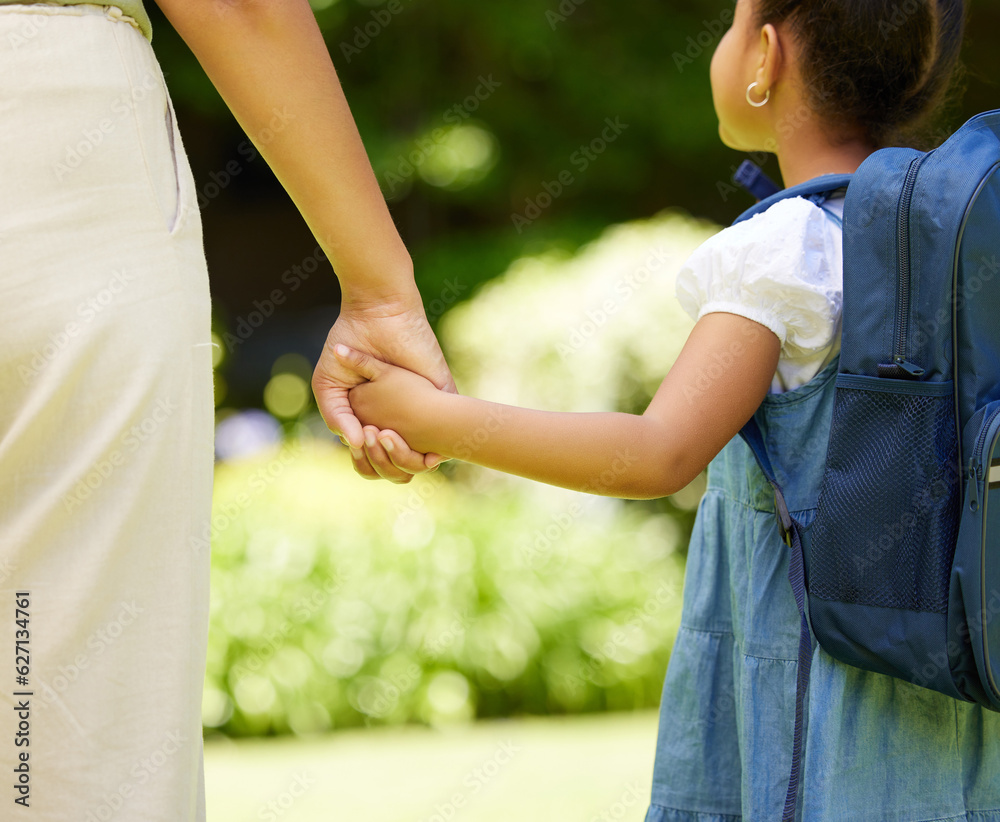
[[76, 10]]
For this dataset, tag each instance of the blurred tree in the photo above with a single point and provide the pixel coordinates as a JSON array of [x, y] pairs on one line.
[[495, 129]]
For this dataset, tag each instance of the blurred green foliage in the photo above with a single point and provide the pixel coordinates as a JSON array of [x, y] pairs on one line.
[[471, 112], [336, 603]]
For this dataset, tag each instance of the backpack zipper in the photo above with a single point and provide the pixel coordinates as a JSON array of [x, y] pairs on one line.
[[976, 472], [899, 358], [956, 367], [976, 463]]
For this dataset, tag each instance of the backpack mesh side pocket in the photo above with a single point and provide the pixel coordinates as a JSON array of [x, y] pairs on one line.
[[887, 516]]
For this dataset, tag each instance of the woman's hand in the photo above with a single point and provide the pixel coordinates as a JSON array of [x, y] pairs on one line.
[[390, 330], [391, 399]]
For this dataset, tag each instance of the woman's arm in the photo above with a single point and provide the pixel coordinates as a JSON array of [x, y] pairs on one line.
[[268, 60], [719, 379]]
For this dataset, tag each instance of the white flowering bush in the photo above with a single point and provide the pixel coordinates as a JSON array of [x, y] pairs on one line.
[[337, 602], [596, 331]]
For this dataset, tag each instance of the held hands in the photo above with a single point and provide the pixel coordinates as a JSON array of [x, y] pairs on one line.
[[401, 334], [393, 399]]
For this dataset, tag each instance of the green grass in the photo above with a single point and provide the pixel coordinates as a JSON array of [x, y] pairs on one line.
[[580, 769]]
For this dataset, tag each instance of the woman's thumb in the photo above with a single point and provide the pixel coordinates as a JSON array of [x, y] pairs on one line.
[[364, 365]]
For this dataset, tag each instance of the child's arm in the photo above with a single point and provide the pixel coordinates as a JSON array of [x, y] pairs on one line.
[[719, 379]]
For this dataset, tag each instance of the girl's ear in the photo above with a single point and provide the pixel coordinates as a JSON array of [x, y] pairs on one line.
[[771, 59]]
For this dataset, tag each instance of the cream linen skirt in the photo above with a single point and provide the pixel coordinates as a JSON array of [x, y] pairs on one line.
[[106, 420]]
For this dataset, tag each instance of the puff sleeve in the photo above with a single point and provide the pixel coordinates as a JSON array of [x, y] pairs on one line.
[[782, 268]]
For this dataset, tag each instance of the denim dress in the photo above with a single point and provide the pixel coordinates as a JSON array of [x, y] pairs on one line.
[[876, 748]]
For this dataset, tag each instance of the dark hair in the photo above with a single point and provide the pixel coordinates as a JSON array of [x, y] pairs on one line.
[[880, 68]]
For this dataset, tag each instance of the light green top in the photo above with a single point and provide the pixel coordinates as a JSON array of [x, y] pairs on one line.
[[131, 8]]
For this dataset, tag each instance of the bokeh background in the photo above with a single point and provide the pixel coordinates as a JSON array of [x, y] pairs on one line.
[[374, 648]]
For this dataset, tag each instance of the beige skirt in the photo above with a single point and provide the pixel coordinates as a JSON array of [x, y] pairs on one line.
[[106, 420]]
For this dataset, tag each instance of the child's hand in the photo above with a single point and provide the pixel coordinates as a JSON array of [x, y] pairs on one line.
[[393, 398]]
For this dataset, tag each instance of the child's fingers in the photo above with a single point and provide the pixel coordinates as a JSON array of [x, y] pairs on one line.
[[362, 466], [401, 455], [364, 365], [432, 461], [380, 459]]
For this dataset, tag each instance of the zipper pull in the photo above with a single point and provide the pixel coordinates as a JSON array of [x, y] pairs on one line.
[[908, 367], [973, 485]]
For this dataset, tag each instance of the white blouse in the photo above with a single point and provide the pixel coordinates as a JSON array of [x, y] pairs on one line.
[[782, 268]]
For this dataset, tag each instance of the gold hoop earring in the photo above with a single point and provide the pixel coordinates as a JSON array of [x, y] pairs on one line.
[[767, 96]]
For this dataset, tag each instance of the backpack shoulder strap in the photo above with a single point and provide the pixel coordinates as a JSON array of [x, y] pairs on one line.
[[818, 190], [752, 177]]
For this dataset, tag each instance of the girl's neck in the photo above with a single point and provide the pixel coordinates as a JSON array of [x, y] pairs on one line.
[[805, 153]]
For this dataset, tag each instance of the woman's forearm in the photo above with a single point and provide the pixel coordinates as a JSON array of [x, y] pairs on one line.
[[269, 62], [606, 453]]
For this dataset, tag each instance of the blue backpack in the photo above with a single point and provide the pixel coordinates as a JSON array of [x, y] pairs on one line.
[[899, 572]]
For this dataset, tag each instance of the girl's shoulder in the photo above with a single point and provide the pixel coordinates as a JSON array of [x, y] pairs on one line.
[[780, 230], [782, 268], [794, 241]]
